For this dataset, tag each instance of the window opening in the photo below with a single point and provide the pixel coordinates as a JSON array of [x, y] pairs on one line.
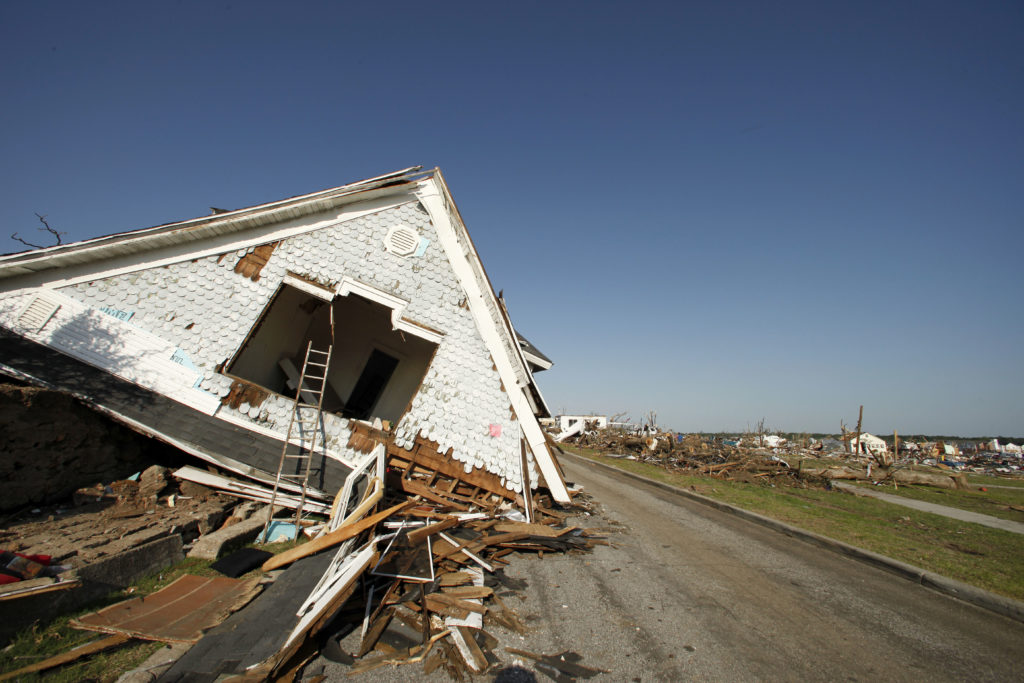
[[375, 370]]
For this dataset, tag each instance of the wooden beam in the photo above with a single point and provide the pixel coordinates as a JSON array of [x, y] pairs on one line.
[[425, 455], [342, 533], [416, 488], [70, 656]]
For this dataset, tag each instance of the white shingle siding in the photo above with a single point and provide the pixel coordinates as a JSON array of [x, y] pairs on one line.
[[206, 310], [116, 346]]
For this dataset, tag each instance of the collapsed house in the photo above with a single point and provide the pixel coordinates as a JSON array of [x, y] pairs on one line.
[[198, 333]]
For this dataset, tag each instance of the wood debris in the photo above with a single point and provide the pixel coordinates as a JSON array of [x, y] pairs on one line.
[[420, 578]]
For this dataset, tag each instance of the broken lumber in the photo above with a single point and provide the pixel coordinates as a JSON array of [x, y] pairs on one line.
[[342, 533], [72, 655]]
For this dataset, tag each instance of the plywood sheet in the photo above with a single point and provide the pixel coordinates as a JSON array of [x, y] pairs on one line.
[[178, 613]]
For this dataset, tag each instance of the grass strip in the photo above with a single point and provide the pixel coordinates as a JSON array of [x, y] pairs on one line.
[[1003, 503], [977, 555]]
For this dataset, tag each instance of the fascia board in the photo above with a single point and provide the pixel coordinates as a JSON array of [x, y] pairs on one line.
[[108, 246], [214, 245], [537, 360], [436, 200]]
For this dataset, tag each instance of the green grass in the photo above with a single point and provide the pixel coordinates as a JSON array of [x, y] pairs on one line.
[[55, 637], [984, 557], [43, 641], [991, 480]]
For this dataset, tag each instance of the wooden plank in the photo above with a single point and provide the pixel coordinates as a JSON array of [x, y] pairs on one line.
[[427, 456], [467, 592], [524, 465], [474, 657], [69, 656], [531, 529], [456, 578], [441, 607], [416, 488], [375, 631], [420, 535], [18, 589], [342, 533], [458, 603]]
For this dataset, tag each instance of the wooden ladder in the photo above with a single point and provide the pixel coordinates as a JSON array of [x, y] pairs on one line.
[[307, 412]]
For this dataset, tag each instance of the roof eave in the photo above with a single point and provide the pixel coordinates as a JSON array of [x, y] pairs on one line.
[[59, 256]]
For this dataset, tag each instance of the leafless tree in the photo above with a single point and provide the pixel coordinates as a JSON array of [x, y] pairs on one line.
[[46, 228]]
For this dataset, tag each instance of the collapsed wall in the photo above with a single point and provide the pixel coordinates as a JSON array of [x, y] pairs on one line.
[[53, 444]]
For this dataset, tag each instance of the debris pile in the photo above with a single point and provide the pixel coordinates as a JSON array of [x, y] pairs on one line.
[[432, 583], [414, 567], [105, 520], [764, 458], [418, 582]]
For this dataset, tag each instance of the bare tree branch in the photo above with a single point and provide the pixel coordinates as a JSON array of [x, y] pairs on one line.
[[14, 236], [46, 227]]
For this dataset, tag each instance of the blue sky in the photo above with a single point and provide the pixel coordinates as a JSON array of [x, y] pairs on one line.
[[721, 212]]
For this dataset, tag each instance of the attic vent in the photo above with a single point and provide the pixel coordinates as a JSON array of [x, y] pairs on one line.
[[402, 240], [35, 316]]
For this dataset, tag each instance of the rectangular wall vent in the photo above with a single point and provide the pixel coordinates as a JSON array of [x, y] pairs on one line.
[[35, 316]]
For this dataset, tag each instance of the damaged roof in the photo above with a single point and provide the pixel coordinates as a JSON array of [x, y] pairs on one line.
[[204, 227], [533, 354]]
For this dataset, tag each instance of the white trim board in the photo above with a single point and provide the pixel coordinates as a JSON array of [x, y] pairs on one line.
[[186, 250], [397, 305], [432, 196]]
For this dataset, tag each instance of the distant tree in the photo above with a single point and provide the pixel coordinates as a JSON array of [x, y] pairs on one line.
[[46, 228]]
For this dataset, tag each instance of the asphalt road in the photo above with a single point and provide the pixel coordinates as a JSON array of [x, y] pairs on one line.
[[690, 593]]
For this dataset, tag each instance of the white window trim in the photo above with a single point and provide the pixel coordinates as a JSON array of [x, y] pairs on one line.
[[396, 304]]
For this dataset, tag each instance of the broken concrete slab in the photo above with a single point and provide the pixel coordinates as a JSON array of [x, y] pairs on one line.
[[97, 581], [156, 665], [210, 546]]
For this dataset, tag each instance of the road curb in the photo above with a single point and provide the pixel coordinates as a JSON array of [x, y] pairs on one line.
[[1008, 607]]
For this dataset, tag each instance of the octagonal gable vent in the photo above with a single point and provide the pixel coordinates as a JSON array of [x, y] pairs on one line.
[[402, 240]]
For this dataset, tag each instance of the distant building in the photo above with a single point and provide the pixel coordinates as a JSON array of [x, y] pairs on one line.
[[868, 444], [565, 422]]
